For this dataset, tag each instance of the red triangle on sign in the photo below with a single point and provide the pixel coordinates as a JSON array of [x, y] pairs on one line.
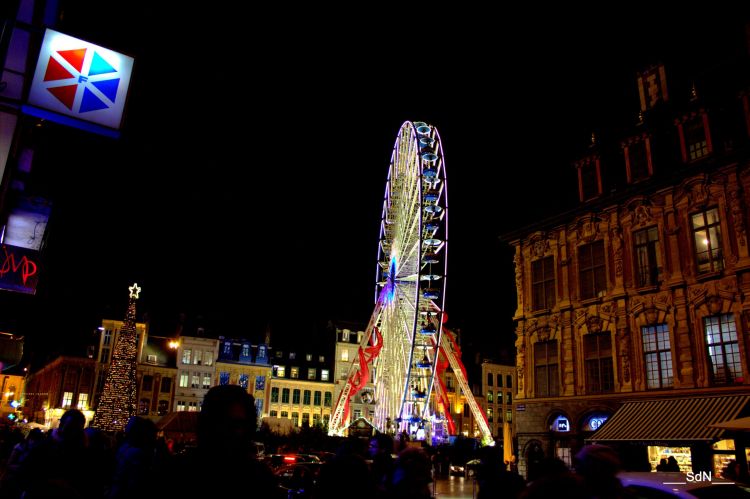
[[74, 57], [55, 71], [65, 94]]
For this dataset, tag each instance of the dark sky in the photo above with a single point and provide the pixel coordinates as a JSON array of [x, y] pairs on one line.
[[247, 186]]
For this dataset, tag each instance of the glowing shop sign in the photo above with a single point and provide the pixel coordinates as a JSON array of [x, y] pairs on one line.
[[18, 272], [561, 423], [79, 79]]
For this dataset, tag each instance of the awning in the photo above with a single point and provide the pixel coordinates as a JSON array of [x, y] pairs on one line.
[[739, 424], [677, 419]]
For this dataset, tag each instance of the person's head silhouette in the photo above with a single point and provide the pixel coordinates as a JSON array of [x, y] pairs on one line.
[[227, 421]]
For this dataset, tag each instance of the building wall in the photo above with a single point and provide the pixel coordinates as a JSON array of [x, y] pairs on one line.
[[663, 273], [64, 383], [347, 353], [155, 390], [498, 388], [257, 384], [196, 371], [12, 388]]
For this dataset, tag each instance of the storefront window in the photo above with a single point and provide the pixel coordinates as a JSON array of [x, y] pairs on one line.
[[681, 454]]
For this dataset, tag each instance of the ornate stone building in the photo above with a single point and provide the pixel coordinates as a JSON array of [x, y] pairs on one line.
[[633, 316]]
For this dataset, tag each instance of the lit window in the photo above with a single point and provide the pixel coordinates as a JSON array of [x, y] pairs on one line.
[[180, 405], [696, 139], [223, 378], [186, 356], [321, 359], [243, 381], [324, 374], [184, 378], [83, 401], [723, 349], [192, 406], [208, 357], [294, 373], [246, 350], [280, 371], [490, 398], [227, 348], [489, 415], [206, 381], [345, 355], [311, 373], [151, 359], [658, 356], [196, 381], [308, 357], [197, 357], [292, 355], [707, 237], [648, 256]]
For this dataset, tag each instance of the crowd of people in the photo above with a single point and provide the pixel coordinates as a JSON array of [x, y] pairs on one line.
[[72, 461]]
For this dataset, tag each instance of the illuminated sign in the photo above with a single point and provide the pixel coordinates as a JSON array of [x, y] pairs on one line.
[[595, 421], [18, 269], [82, 80], [560, 423]]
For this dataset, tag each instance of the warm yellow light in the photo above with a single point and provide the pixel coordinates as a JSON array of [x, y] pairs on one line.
[[705, 242], [174, 344]]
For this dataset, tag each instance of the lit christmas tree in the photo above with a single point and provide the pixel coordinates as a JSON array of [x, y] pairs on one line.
[[117, 403]]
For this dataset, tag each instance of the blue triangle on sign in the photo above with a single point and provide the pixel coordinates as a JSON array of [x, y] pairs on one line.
[[100, 66], [91, 102], [107, 87]]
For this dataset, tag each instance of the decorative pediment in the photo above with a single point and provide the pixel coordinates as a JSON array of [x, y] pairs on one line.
[[588, 228], [539, 243], [639, 210], [545, 328], [651, 309], [716, 296]]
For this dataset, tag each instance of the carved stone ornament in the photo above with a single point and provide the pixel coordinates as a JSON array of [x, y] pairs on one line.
[[588, 228], [540, 248], [738, 216], [594, 324]]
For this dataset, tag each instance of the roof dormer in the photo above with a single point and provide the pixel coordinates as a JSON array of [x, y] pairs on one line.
[[589, 173]]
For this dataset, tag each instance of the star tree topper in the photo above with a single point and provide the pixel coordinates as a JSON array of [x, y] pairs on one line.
[[134, 290]]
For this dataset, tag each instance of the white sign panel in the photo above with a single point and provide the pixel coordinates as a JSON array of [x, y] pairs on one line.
[[80, 79]]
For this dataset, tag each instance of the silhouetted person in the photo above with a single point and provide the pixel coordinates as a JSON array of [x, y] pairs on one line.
[[493, 478], [412, 475], [346, 475], [9, 486], [381, 469], [60, 466], [598, 466], [662, 466], [672, 464], [223, 462], [136, 460]]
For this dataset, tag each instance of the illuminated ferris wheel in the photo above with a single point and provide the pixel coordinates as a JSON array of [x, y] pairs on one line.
[[398, 355], [410, 280]]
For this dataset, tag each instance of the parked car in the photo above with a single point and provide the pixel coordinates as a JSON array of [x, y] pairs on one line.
[[278, 460], [666, 485]]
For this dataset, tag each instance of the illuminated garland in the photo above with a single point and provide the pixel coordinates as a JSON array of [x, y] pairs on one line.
[[117, 403]]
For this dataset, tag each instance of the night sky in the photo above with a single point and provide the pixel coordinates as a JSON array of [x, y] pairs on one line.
[[247, 186]]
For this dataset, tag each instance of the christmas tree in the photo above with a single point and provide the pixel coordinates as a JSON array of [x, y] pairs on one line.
[[117, 403]]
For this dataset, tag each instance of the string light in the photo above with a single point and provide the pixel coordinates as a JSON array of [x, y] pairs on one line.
[[117, 402]]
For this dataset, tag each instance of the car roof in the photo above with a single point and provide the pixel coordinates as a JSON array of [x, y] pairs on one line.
[[677, 484]]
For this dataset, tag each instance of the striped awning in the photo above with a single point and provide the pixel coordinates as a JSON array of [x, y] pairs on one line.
[[670, 419]]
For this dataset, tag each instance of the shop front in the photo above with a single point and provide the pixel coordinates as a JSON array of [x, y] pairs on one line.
[[676, 434]]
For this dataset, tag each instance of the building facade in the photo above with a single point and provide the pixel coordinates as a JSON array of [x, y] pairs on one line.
[[632, 309], [498, 387], [196, 371], [301, 388], [12, 396], [362, 404], [240, 362], [65, 383]]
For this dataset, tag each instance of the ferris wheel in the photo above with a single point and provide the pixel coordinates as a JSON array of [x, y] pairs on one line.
[[410, 279], [405, 347]]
